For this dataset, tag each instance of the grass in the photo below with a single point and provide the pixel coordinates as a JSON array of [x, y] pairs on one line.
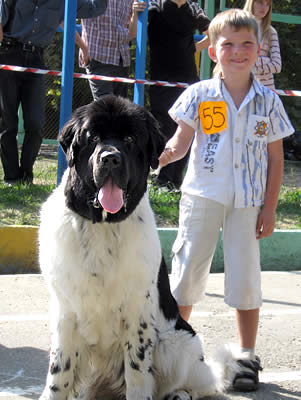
[[20, 205]]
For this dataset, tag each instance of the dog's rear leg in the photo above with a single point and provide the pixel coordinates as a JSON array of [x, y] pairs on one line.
[[64, 357]]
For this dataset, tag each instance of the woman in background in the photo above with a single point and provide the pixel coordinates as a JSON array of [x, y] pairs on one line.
[[269, 60]]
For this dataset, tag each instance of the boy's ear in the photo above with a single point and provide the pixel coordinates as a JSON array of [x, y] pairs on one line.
[[212, 53]]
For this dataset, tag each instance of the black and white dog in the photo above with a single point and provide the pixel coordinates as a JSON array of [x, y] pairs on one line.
[[116, 330]]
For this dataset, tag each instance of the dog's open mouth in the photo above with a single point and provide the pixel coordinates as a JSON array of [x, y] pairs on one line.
[[110, 196]]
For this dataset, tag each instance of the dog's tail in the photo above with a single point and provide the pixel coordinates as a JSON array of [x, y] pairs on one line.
[[224, 366]]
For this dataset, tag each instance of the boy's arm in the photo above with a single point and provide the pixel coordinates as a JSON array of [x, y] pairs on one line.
[[178, 145], [267, 216]]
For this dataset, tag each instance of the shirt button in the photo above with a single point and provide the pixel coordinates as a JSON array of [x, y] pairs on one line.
[[237, 140], [236, 165]]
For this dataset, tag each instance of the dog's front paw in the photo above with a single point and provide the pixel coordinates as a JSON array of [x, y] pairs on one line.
[[178, 395]]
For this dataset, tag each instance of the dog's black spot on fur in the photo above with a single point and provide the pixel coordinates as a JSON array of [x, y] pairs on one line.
[[147, 295], [67, 365], [76, 354], [110, 251], [140, 219], [55, 369], [94, 274], [54, 388], [128, 345], [66, 384], [140, 332], [202, 358], [134, 365], [143, 325], [150, 370], [141, 353], [141, 340]]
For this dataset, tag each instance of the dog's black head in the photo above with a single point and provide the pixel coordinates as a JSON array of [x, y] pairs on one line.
[[110, 146]]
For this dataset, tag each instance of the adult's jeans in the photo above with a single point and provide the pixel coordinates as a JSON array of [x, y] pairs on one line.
[[27, 89]]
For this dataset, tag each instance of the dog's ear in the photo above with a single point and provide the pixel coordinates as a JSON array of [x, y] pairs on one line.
[[68, 139], [156, 142]]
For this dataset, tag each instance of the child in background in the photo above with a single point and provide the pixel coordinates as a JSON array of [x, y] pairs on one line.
[[236, 127], [269, 60]]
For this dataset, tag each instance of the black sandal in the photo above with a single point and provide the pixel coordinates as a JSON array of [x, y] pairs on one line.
[[246, 380]]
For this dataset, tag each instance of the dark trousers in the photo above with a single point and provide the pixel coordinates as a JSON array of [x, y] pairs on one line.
[[161, 100], [98, 87], [28, 90]]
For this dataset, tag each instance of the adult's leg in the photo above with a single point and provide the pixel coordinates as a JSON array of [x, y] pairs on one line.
[[99, 87], [161, 100], [9, 103], [33, 106]]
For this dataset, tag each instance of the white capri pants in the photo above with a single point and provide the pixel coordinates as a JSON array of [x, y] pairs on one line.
[[199, 227]]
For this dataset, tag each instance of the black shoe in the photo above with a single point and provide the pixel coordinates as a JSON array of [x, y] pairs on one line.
[[246, 380], [12, 182], [27, 178]]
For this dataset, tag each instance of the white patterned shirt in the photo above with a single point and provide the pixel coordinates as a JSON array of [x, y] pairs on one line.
[[230, 162]]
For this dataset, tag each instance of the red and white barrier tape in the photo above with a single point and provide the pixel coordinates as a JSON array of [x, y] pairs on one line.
[[120, 79]]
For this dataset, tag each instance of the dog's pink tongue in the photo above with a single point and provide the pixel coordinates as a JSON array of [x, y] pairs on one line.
[[110, 197]]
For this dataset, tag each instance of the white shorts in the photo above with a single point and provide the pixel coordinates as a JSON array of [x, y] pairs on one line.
[[199, 227]]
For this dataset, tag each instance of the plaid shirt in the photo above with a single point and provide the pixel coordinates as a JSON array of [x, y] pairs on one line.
[[107, 36]]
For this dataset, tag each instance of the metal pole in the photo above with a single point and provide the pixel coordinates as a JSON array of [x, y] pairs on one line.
[[67, 77], [141, 43]]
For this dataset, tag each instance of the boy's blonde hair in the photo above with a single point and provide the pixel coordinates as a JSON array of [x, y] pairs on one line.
[[234, 18], [265, 22]]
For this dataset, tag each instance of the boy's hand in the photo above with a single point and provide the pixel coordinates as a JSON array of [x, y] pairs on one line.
[[265, 223], [166, 156]]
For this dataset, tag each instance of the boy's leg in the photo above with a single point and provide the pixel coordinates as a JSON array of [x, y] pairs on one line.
[[247, 325], [199, 226], [243, 288], [185, 312]]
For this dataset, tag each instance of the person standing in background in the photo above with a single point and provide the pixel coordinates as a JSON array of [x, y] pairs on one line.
[[269, 60], [171, 26], [108, 45], [26, 28]]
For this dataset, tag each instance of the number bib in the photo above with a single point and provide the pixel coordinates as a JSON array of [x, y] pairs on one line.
[[213, 116]]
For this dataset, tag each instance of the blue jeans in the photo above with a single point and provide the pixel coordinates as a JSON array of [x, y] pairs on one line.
[[27, 89]]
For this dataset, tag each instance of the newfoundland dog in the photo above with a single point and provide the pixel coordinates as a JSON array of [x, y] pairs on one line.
[[116, 331]]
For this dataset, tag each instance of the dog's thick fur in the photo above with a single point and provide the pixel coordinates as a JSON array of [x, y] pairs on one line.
[[116, 330]]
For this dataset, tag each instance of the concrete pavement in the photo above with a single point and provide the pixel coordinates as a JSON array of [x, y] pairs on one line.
[[24, 334]]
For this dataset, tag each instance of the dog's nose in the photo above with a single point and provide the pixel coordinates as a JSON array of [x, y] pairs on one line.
[[111, 159]]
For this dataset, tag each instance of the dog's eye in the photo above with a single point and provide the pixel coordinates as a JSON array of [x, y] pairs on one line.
[[129, 139]]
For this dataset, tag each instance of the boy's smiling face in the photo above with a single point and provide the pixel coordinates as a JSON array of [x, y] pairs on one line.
[[236, 51]]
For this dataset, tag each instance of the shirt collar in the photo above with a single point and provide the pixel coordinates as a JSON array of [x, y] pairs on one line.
[[215, 88]]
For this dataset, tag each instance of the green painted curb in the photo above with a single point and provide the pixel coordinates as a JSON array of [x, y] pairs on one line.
[[19, 250], [279, 252]]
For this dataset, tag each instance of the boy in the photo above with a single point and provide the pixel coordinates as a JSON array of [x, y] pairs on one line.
[[233, 178]]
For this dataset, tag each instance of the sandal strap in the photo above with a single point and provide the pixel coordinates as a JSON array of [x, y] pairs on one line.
[[246, 375], [251, 364]]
